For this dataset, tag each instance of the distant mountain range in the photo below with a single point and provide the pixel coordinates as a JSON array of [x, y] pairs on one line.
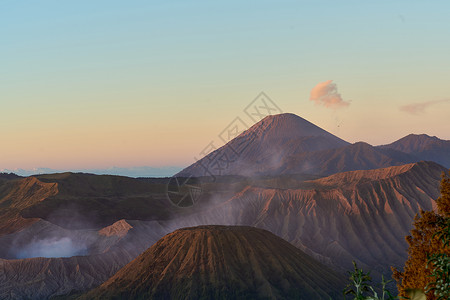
[[288, 144]]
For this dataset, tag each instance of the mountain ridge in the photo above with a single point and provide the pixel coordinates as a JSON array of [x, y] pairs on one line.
[[423, 147], [288, 144], [264, 144]]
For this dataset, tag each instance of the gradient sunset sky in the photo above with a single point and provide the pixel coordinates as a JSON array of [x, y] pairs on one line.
[[95, 84]]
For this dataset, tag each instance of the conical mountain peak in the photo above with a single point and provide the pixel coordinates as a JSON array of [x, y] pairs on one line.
[[265, 147], [289, 126]]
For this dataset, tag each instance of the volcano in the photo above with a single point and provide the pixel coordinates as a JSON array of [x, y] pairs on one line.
[[262, 148], [288, 144], [221, 262]]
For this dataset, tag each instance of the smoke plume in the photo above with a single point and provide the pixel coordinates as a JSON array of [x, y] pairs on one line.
[[52, 247]]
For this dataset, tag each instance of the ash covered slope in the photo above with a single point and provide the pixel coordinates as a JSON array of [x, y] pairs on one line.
[[361, 215], [287, 144], [18, 194], [261, 148], [109, 249], [41, 278], [221, 262], [58, 215], [424, 147], [357, 215]]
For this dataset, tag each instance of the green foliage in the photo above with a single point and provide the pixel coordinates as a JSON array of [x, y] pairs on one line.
[[440, 271], [440, 266], [359, 283], [360, 286]]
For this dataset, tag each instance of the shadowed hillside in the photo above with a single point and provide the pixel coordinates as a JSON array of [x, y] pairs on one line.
[[80, 201]]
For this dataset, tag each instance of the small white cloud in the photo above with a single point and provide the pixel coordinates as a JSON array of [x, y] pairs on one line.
[[326, 94]]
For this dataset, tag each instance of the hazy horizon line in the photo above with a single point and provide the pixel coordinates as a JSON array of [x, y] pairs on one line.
[[141, 171]]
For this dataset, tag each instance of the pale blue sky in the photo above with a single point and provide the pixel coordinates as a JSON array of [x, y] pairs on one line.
[[94, 84]]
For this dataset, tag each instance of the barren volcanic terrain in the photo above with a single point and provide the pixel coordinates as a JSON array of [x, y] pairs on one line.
[[357, 215], [67, 233]]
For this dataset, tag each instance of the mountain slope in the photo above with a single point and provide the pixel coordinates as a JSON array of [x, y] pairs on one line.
[[357, 215], [358, 156], [424, 147], [263, 146], [41, 278], [8, 176], [18, 194], [80, 201], [221, 262], [107, 250], [287, 144]]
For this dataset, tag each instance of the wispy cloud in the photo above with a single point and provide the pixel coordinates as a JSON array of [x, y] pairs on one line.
[[326, 94], [420, 107]]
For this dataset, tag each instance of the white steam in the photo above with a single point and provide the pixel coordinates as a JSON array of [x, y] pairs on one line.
[[52, 247]]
